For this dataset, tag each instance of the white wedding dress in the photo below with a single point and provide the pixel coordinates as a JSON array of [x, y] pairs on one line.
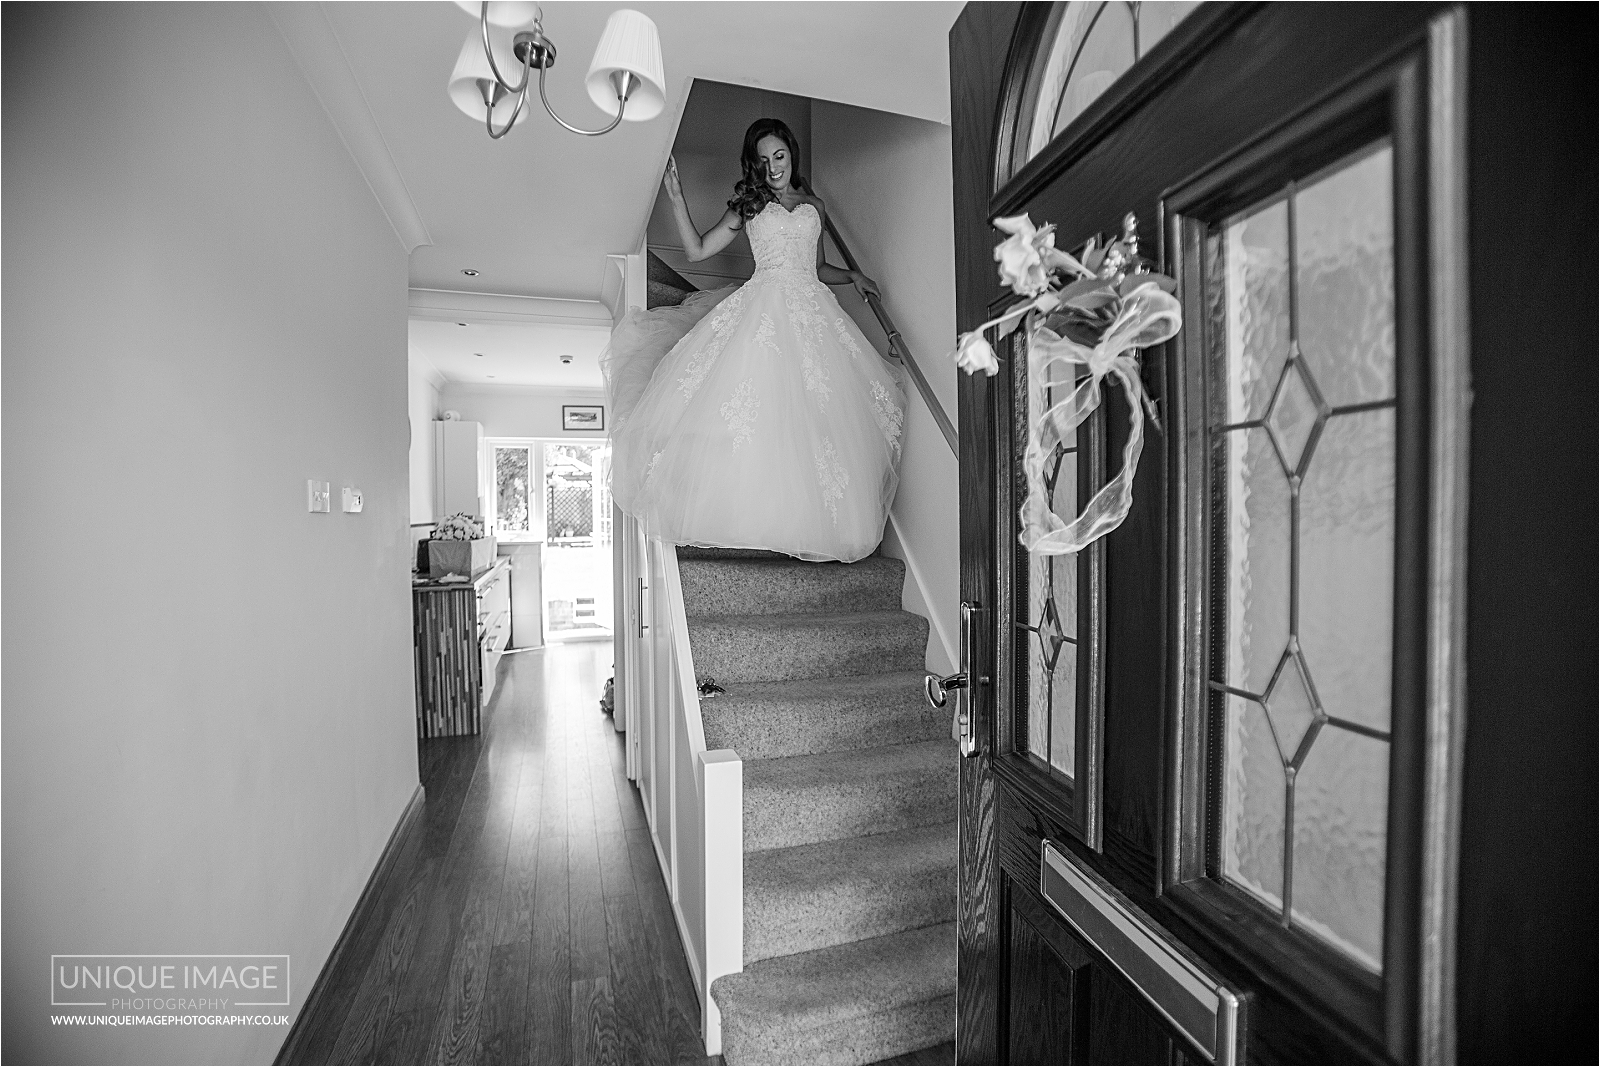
[[757, 417]]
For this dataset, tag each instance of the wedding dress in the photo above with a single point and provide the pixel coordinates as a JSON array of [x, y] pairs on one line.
[[757, 416]]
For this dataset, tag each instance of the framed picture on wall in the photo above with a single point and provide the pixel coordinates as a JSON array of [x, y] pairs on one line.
[[583, 417]]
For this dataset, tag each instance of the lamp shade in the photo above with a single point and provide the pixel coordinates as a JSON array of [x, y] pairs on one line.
[[630, 43], [472, 65], [502, 12]]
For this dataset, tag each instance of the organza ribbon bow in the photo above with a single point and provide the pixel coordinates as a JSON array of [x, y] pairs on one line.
[[1149, 316]]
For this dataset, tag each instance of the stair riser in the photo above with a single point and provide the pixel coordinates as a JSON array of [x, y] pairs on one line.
[[731, 587], [770, 729], [866, 1039], [780, 924], [783, 817], [732, 652]]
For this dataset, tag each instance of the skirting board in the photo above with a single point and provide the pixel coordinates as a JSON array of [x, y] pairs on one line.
[[937, 624], [293, 1049]]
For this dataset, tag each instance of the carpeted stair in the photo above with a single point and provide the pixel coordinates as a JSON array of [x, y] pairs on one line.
[[849, 807]]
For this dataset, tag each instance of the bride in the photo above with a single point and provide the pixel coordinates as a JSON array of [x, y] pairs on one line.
[[757, 416]]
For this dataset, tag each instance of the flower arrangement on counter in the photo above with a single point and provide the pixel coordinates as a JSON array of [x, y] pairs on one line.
[[1096, 310], [458, 527]]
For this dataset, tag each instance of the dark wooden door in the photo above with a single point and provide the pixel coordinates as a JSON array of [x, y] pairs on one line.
[[1214, 809]]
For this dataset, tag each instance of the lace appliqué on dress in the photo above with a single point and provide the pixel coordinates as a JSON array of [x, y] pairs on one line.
[[722, 324], [805, 319], [739, 412], [890, 416], [832, 475], [843, 333], [650, 470], [764, 332]]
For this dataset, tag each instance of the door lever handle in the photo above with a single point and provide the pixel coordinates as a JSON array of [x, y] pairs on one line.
[[937, 688]]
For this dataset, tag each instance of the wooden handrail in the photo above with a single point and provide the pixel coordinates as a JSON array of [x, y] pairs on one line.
[[900, 350]]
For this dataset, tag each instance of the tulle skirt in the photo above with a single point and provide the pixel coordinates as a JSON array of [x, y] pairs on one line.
[[755, 417]]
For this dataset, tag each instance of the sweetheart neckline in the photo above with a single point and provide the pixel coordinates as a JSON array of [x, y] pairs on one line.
[[797, 207]]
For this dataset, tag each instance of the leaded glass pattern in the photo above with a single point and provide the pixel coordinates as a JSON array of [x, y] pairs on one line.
[[1052, 605], [1086, 46], [1300, 298]]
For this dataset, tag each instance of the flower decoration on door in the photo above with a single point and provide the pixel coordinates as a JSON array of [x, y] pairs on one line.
[[1096, 310]]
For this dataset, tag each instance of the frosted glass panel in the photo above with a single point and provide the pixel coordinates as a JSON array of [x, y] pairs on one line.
[[1340, 834], [1257, 308], [1303, 444], [1258, 565], [1252, 842], [1344, 237], [1052, 608], [1347, 566]]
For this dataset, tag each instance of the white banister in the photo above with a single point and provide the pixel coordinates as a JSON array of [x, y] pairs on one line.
[[693, 798]]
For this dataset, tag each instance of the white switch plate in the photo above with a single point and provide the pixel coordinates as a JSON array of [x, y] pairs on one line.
[[317, 495], [352, 499]]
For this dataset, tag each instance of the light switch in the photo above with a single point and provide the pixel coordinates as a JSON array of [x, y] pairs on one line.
[[317, 495], [352, 499]]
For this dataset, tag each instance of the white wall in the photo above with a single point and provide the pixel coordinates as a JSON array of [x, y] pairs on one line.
[[518, 411], [422, 399], [887, 182], [208, 729]]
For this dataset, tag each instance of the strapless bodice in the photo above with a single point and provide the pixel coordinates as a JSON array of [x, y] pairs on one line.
[[785, 240]]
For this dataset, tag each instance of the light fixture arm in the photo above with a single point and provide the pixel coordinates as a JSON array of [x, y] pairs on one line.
[[624, 82], [491, 95], [488, 52]]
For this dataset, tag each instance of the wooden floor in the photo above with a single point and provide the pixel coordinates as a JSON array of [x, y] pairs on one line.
[[525, 919]]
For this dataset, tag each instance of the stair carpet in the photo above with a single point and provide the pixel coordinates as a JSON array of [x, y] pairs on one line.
[[849, 807]]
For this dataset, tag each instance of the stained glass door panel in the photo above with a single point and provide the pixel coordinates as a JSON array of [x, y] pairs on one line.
[[1086, 46], [1051, 629], [1300, 294]]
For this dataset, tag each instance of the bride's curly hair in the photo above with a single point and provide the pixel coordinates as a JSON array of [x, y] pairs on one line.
[[751, 193]]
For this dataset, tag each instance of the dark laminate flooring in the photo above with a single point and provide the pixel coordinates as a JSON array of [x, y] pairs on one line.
[[525, 918]]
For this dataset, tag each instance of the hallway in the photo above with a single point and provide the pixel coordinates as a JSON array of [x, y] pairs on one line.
[[525, 919]]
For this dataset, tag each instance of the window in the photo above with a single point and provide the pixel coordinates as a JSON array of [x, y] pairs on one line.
[[1086, 45], [1300, 298]]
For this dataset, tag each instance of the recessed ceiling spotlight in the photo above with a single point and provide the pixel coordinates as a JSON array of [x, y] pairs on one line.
[[469, 272], [460, 324], [566, 358], [491, 376], [478, 354]]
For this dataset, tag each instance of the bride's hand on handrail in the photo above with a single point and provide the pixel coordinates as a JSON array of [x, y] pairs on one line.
[[865, 285]]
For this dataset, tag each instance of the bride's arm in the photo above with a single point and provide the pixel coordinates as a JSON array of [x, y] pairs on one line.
[[698, 246], [828, 274]]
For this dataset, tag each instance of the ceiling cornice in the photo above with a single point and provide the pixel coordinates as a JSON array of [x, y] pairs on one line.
[[316, 48], [448, 304]]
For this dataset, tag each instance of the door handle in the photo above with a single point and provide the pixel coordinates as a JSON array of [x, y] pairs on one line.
[[937, 689]]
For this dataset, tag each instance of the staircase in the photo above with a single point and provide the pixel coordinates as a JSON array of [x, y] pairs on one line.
[[849, 807]]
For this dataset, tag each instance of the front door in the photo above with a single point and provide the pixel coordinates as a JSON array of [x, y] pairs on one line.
[[1208, 814]]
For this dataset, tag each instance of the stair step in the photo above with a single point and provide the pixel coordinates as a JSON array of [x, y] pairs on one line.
[[813, 896], [697, 552], [858, 1002], [770, 720], [773, 648], [800, 800], [789, 586]]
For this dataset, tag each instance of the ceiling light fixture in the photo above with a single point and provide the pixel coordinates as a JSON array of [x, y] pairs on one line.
[[625, 78], [469, 272]]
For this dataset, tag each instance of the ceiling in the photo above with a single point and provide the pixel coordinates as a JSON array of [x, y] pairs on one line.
[[536, 214]]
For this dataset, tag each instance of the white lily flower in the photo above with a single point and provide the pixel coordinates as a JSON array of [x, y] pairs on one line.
[[1021, 256]]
